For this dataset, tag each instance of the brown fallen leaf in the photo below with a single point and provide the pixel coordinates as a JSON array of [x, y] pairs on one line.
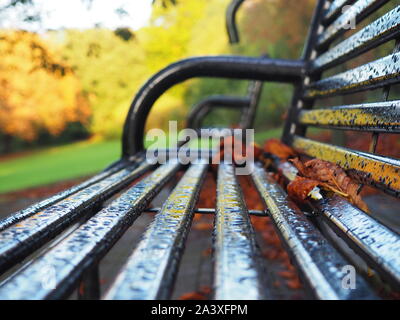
[[207, 252], [293, 284], [192, 296], [331, 177], [287, 274], [271, 254], [279, 149], [240, 151], [203, 226], [202, 294], [256, 148], [299, 189]]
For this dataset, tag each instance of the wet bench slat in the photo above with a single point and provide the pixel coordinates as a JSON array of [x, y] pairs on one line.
[[358, 11], [381, 172], [376, 117], [380, 31], [40, 206], [237, 271], [23, 238], [320, 265], [335, 8], [150, 271], [376, 74], [85, 246], [373, 241], [73, 258]]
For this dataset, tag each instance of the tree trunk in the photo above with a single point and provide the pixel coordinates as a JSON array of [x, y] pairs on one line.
[[7, 144]]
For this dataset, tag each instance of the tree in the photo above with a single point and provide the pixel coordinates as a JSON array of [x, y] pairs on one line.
[[165, 3], [28, 11], [277, 27], [110, 67], [38, 92]]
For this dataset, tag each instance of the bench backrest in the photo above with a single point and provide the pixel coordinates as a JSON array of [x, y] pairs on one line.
[[332, 45]]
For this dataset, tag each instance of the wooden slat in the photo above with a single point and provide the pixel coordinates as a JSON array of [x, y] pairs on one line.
[[380, 31], [358, 11], [372, 75], [382, 172], [381, 116]]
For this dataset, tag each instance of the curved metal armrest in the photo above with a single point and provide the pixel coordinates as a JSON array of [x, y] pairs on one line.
[[248, 115], [234, 67], [200, 110], [231, 27]]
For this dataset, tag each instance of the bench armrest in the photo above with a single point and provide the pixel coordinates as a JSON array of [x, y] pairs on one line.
[[200, 110], [233, 67], [231, 27]]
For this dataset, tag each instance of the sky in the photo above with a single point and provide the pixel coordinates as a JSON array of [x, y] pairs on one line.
[[58, 14]]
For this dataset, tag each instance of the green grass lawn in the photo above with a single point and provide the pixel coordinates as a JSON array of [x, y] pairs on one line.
[[70, 161], [57, 163]]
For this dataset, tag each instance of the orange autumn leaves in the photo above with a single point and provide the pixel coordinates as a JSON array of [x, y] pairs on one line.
[[203, 293], [240, 151], [38, 92], [311, 174], [279, 149], [300, 188], [331, 177], [271, 246], [316, 173]]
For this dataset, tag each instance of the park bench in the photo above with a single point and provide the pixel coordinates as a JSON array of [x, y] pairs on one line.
[[309, 237]]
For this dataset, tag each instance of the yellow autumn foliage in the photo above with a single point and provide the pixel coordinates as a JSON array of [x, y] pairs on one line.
[[37, 91]]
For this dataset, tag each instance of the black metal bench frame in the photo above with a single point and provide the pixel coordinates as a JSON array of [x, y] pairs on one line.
[[151, 270]]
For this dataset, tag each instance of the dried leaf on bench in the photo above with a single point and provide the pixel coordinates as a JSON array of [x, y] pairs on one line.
[[192, 296], [300, 188], [279, 149], [239, 150], [203, 226], [255, 148], [202, 294], [331, 177]]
